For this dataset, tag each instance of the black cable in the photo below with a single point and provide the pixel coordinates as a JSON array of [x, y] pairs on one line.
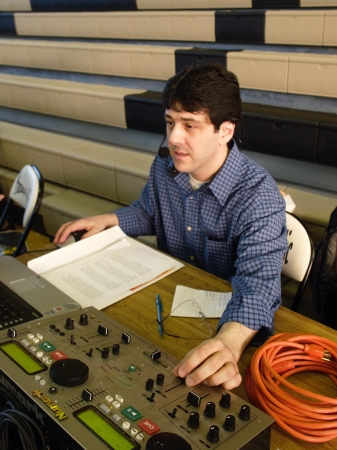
[[28, 431], [9, 400], [6, 421], [23, 431], [201, 316], [39, 250]]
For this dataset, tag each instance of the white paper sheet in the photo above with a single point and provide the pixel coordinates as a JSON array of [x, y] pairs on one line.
[[189, 302], [100, 270], [290, 205]]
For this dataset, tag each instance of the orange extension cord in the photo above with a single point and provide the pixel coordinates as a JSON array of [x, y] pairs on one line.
[[308, 416]]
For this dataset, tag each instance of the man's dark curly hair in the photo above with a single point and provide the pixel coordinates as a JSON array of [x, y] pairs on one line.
[[209, 88]]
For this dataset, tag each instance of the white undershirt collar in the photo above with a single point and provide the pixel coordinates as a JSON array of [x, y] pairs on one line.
[[195, 184]]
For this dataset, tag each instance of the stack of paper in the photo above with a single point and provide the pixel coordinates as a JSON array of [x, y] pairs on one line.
[[104, 268]]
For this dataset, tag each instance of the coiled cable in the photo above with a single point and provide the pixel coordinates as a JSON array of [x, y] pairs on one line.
[[303, 414], [17, 428]]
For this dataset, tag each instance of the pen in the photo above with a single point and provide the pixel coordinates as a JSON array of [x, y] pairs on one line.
[[159, 311]]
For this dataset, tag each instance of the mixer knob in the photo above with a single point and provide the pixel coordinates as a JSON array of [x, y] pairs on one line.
[[115, 349], [193, 398], [149, 384], [87, 395], [160, 379], [83, 319], [105, 352], [173, 413], [193, 420], [213, 434], [151, 399], [126, 338], [69, 324], [210, 410], [229, 424], [155, 355], [225, 401], [103, 330], [244, 413], [11, 333]]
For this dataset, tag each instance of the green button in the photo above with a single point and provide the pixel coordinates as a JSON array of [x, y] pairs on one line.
[[132, 368], [131, 413], [47, 346]]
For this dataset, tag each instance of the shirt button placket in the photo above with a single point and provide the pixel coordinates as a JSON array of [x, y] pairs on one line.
[[190, 218]]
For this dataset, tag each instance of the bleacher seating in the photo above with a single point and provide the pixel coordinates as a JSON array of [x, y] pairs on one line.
[[288, 72], [255, 26], [133, 5], [80, 87], [298, 134]]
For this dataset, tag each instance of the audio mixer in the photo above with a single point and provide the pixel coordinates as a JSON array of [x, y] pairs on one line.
[[92, 384]]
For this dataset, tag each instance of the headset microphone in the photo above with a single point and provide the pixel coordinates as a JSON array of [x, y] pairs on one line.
[[163, 152]]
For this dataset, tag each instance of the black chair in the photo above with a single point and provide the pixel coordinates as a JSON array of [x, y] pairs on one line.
[[27, 192]]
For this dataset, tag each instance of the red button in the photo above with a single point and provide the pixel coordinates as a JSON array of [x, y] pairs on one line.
[[148, 426], [57, 354]]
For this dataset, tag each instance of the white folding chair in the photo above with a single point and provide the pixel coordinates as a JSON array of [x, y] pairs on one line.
[[27, 192], [299, 257]]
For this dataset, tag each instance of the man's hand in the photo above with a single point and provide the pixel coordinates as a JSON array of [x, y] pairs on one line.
[[214, 362], [1, 197], [92, 225]]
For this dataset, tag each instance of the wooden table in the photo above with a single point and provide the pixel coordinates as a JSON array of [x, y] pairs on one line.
[[138, 312]]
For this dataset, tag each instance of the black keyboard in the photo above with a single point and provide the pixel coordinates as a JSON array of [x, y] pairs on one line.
[[14, 310]]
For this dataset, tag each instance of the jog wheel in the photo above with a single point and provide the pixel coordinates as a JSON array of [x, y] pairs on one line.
[[69, 372], [167, 441]]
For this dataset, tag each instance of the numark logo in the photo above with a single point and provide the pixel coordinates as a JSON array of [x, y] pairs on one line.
[[61, 415]]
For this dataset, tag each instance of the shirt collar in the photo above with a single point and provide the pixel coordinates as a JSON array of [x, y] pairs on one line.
[[224, 180], [228, 176]]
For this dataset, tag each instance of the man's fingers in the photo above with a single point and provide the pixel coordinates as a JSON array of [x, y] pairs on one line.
[[211, 363], [216, 370], [92, 225], [227, 376], [59, 234], [71, 227], [208, 367], [64, 232], [232, 383], [197, 356]]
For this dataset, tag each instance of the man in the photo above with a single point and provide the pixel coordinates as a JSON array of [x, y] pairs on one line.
[[211, 206]]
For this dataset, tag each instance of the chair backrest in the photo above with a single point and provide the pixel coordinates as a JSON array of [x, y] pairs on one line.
[[27, 191], [298, 256]]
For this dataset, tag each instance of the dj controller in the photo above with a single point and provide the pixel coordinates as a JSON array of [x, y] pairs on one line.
[[92, 384]]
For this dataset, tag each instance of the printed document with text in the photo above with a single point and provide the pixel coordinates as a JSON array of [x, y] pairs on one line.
[[104, 268]]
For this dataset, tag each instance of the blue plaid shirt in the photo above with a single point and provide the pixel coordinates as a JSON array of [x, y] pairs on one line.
[[233, 227]]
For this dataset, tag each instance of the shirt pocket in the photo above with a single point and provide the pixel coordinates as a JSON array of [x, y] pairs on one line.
[[220, 257]]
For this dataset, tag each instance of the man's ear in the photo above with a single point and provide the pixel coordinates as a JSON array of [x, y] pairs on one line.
[[226, 131]]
